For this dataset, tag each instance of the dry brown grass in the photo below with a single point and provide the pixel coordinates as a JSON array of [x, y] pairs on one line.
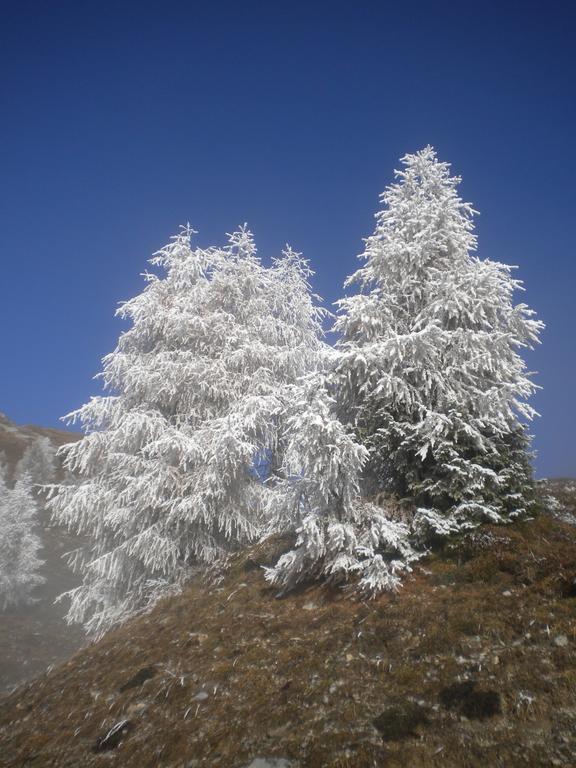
[[471, 664]]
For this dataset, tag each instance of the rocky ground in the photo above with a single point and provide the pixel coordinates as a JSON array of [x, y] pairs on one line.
[[471, 664]]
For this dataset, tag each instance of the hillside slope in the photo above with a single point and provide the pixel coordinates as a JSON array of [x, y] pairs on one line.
[[471, 664], [15, 437]]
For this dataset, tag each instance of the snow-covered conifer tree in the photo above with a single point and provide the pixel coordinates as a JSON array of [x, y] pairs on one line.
[[4, 469], [196, 387], [38, 462], [430, 373], [19, 544], [338, 534]]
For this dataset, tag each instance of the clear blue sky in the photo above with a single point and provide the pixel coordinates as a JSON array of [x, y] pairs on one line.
[[122, 120]]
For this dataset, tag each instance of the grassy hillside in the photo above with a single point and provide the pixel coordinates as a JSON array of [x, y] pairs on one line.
[[471, 664]]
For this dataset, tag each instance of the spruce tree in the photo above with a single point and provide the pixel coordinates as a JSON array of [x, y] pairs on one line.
[[38, 462], [430, 373], [170, 470], [19, 544]]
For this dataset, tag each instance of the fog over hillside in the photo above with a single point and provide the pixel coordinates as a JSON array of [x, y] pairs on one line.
[[32, 637]]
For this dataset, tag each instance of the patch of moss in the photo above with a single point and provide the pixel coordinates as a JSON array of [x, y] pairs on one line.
[[470, 702], [143, 674], [400, 721]]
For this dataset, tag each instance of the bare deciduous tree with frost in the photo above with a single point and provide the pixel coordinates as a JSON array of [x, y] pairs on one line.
[[170, 471], [430, 374]]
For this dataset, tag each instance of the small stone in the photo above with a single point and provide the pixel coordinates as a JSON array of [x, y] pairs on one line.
[[309, 606], [201, 696], [136, 708], [271, 762], [196, 638], [507, 593], [561, 641]]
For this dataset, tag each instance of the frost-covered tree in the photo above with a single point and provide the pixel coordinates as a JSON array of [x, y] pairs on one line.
[[38, 462], [19, 544], [170, 470], [430, 373], [339, 534], [4, 469]]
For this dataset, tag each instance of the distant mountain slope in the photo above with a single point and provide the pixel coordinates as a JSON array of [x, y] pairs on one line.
[[472, 664], [14, 437], [32, 637]]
